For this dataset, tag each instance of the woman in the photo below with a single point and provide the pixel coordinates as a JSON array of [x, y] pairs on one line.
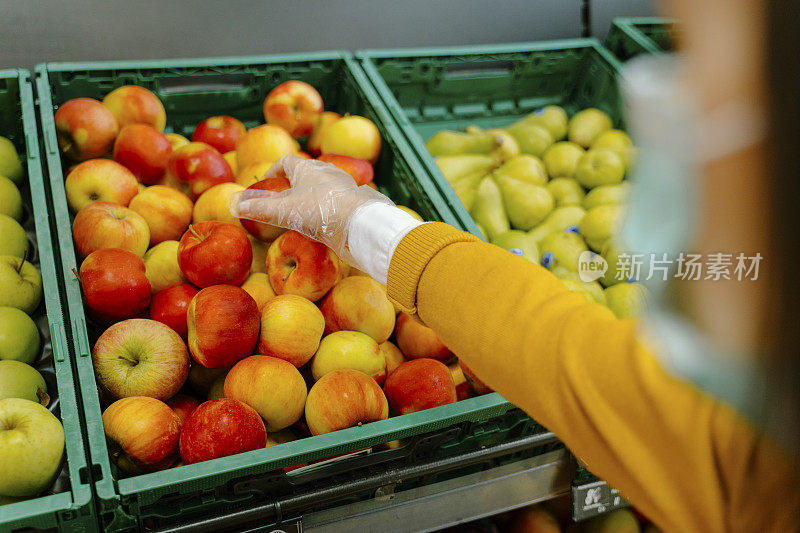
[[692, 457]]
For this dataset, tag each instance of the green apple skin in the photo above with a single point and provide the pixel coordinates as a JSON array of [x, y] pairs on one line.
[[20, 284], [31, 448], [599, 167], [601, 223], [557, 221], [13, 239], [607, 194], [531, 138], [10, 165], [10, 199], [566, 248], [524, 167], [565, 191], [519, 243], [585, 126], [626, 300], [562, 158], [19, 336], [18, 380]]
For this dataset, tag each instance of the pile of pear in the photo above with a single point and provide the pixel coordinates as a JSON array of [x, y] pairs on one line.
[[549, 187]]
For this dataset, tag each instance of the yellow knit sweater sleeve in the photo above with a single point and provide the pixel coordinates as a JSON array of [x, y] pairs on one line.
[[687, 461]]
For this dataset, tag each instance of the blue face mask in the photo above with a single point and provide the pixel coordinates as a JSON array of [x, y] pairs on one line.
[[674, 138]]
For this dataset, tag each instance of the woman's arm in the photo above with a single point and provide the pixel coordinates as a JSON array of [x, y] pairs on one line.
[[687, 461]]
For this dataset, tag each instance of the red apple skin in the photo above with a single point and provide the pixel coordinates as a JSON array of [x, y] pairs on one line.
[[132, 104], [342, 399], [223, 323], [416, 340], [419, 384], [299, 265], [219, 428], [359, 303], [215, 253], [320, 127], [114, 284], [143, 434], [85, 128], [221, 132], [475, 383], [360, 169], [105, 225], [183, 405], [169, 306], [100, 179], [144, 150], [261, 230], [200, 165], [295, 106], [394, 357]]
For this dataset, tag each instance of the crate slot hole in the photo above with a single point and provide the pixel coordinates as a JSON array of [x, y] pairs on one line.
[[210, 82]]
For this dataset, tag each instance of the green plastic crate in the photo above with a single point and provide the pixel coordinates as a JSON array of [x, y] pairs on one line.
[[67, 505], [629, 37], [192, 90], [431, 89]]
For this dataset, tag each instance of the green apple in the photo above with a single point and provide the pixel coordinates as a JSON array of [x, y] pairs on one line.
[[552, 117], [627, 300], [519, 243], [31, 448], [531, 138], [18, 380], [565, 249], [585, 126], [599, 167], [607, 194], [562, 158], [524, 167], [601, 223], [19, 336], [526, 204], [10, 165], [13, 239], [566, 191], [557, 221], [617, 141], [20, 284], [10, 199]]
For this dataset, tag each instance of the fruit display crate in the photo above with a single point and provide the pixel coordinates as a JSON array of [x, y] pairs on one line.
[[629, 37], [491, 86], [67, 504], [192, 90]]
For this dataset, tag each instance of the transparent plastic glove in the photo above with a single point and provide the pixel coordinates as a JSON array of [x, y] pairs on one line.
[[321, 203]]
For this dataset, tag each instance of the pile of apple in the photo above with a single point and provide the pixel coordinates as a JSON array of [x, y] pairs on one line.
[[31, 437], [221, 335], [548, 187]]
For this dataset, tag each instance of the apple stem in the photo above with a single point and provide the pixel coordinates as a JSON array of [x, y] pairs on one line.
[[42, 396], [77, 275], [22, 262], [289, 273], [131, 361], [191, 228]]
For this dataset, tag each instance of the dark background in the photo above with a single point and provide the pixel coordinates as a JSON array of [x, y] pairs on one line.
[[35, 31]]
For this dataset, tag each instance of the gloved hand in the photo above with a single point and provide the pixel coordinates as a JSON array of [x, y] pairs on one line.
[[322, 204]]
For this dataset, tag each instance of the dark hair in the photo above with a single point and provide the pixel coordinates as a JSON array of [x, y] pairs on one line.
[[783, 335]]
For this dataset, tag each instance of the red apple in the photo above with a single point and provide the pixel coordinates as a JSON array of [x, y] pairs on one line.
[[360, 169], [416, 340], [299, 265], [140, 357], [349, 349], [215, 253], [105, 225], [183, 405], [132, 104], [85, 128], [342, 399], [394, 357], [167, 212], [253, 173], [144, 150], [142, 434], [291, 328], [100, 179], [200, 166], [477, 386], [354, 136], [223, 323], [359, 303], [169, 306], [176, 140], [320, 127], [271, 386], [419, 384], [264, 143], [221, 132], [219, 428], [261, 230], [295, 106], [114, 284]]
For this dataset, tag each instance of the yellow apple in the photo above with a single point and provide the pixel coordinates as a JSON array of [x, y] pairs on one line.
[[349, 349], [161, 265], [213, 204], [257, 285], [353, 136]]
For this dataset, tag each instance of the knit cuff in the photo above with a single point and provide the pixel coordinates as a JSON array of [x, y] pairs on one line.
[[411, 257]]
